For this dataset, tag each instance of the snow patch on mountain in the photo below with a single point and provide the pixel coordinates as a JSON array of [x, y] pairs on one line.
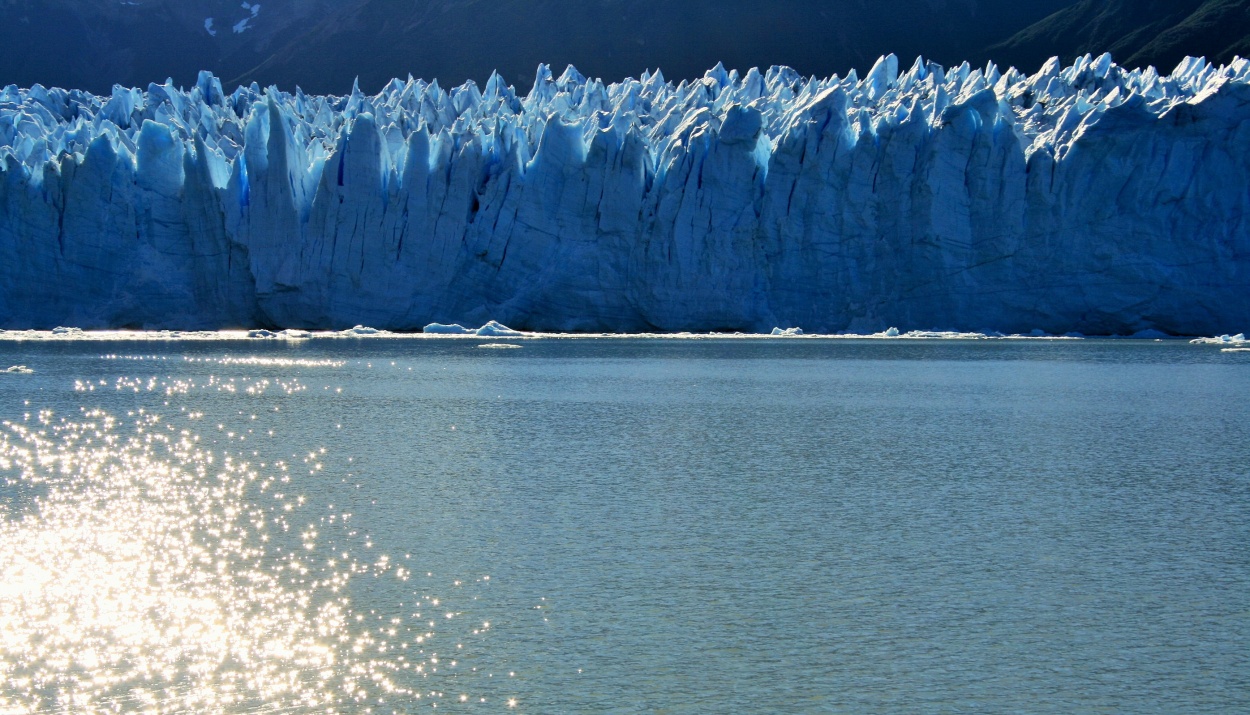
[[242, 25]]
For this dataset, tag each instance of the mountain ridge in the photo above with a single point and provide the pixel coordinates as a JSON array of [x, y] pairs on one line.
[[323, 46], [1137, 32]]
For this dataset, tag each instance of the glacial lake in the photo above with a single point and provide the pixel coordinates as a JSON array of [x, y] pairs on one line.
[[625, 526]]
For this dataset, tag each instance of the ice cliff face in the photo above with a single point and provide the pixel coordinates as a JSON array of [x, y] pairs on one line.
[[1086, 198]]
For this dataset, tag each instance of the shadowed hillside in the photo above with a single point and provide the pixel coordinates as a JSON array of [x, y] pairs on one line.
[[322, 45], [1136, 32]]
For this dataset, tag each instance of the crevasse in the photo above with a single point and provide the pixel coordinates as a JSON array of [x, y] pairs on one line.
[[1085, 198]]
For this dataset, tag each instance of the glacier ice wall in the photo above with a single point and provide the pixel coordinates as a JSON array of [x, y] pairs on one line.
[[1088, 198]]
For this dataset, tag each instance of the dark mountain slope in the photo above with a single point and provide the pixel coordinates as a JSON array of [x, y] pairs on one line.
[[457, 39], [1218, 29], [323, 44], [93, 44], [1136, 32]]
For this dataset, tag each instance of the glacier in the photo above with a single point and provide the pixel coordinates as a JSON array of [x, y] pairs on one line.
[[1088, 198]]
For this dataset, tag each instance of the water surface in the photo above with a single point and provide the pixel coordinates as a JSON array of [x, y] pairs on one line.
[[625, 526]]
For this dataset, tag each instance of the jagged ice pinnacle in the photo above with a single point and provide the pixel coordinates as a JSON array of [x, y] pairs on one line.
[[1088, 198]]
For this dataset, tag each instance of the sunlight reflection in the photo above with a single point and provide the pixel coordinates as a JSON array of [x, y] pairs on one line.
[[137, 573]]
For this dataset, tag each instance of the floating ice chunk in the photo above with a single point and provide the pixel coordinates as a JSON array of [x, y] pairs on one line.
[[66, 331], [361, 330], [495, 329], [453, 329], [498, 346], [208, 26], [261, 334], [787, 331], [20, 370], [946, 335], [1220, 340]]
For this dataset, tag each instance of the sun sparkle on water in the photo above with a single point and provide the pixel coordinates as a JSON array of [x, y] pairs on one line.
[[140, 571]]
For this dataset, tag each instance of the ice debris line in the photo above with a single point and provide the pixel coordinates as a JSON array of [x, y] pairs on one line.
[[1086, 198]]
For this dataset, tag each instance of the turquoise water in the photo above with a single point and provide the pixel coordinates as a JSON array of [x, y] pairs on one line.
[[666, 526]]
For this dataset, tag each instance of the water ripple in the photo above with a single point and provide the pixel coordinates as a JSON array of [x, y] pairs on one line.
[[140, 571]]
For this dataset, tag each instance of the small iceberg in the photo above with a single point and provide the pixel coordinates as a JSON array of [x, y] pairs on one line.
[[18, 370], [1237, 339], [787, 332], [361, 330], [441, 329], [948, 335], [938, 335], [494, 329]]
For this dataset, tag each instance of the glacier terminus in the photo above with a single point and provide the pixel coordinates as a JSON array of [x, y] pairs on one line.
[[1089, 198]]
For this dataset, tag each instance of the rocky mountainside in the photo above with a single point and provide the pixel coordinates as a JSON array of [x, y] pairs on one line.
[[93, 44], [1136, 32], [322, 45], [457, 39]]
